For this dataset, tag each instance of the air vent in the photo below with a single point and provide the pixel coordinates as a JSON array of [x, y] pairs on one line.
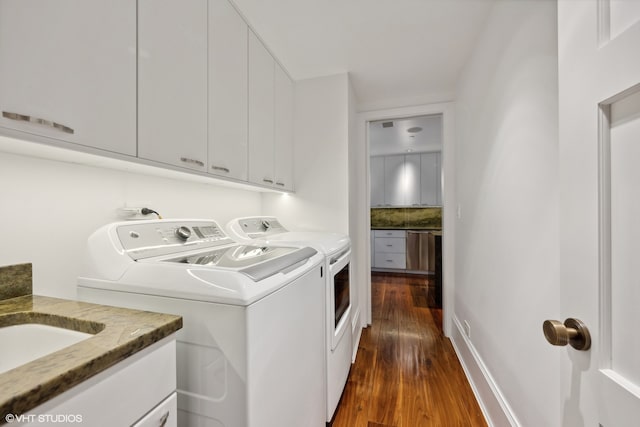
[[387, 124]]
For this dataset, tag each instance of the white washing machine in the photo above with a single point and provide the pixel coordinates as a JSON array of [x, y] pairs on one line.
[[250, 353], [336, 249]]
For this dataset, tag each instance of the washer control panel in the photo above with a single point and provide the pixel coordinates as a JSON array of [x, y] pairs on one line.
[[149, 239], [258, 227]]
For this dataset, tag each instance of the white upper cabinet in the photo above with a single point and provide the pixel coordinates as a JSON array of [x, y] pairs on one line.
[[411, 178], [430, 182], [376, 166], [283, 170], [261, 113], [227, 91], [183, 83], [172, 82], [68, 71], [394, 191], [406, 180]]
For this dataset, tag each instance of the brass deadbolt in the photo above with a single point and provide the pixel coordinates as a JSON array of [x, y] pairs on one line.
[[573, 332]]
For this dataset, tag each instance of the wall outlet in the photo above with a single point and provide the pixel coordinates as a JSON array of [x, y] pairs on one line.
[[133, 211], [467, 328], [130, 213]]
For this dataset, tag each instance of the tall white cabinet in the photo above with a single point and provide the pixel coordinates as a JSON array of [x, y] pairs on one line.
[[172, 82], [68, 71]]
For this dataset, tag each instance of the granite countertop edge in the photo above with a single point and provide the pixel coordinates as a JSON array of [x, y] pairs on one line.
[[408, 228], [122, 333]]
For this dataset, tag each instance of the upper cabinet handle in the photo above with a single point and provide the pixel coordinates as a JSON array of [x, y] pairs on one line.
[[25, 118], [191, 161], [220, 168], [281, 184], [270, 181]]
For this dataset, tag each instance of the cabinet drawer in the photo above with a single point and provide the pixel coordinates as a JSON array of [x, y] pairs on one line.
[[390, 260], [163, 415], [391, 244], [389, 233]]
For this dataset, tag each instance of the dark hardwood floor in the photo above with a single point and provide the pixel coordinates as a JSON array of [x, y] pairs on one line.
[[406, 372]]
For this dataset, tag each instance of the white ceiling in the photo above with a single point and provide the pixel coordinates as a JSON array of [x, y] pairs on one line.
[[396, 51], [404, 136]]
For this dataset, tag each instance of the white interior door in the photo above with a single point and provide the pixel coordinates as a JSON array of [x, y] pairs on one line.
[[599, 84]]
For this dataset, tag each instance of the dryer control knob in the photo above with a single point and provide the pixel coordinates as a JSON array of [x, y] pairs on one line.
[[183, 232]]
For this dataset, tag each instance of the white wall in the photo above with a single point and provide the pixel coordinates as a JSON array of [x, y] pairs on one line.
[[321, 159], [49, 208], [506, 263]]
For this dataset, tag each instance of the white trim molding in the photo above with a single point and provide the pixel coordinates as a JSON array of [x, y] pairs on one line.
[[494, 406]]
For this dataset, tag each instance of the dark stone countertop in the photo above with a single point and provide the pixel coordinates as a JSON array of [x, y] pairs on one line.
[[119, 333]]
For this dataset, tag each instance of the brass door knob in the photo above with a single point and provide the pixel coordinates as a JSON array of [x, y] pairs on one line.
[[572, 331]]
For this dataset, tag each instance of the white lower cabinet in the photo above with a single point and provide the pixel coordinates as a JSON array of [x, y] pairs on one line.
[[389, 249], [140, 391], [68, 71], [172, 82], [164, 415]]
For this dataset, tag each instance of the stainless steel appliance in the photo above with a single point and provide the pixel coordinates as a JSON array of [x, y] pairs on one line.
[[420, 251]]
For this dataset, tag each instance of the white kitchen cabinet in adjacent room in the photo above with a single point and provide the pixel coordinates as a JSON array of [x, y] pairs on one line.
[[390, 250], [261, 113], [67, 73], [376, 167], [172, 82], [228, 124], [394, 180], [405, 180], [411, 180], [430, 181], [283, 131]]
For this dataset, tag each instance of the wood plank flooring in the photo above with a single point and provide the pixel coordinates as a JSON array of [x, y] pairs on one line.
[[406, 372]]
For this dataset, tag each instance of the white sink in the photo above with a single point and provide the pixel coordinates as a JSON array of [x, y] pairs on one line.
[[23, 343]]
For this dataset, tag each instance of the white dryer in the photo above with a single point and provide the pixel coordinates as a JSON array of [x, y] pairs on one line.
[[250, 353], [336, 249]]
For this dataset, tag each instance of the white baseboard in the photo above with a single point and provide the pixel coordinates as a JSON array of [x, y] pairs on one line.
[[494, 406]]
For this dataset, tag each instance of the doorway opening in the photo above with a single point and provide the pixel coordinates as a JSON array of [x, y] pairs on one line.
[[405, 175], [398, 199]]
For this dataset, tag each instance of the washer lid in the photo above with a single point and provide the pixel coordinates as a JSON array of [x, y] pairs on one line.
[[268, 230], [256, 262]]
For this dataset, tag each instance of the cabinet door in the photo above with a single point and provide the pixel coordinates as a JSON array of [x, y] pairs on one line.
[[394, 180], [69, 66], [283, 130], [227, 91], [261, 113], [430, 192], [376, 168], [172, 82], [411, 178]]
